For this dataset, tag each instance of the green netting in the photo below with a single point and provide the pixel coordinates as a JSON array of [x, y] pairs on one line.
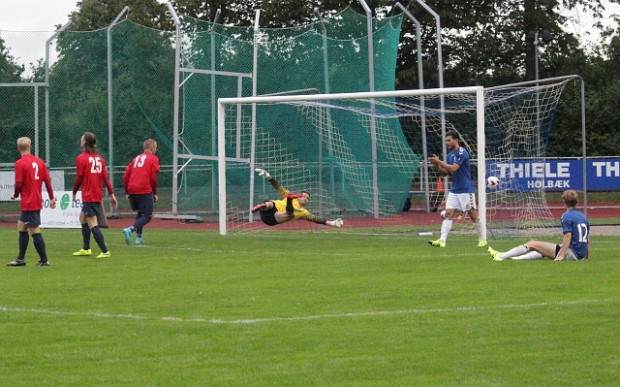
[[217, 61], [317, 58]]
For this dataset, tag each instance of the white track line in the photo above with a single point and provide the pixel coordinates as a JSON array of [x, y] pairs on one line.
[[8, 309]]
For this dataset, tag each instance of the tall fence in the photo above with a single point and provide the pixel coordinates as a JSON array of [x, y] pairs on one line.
[[119, 83]]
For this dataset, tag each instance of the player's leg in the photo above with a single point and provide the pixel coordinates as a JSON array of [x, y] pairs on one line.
[[90, 211], [474, 215], [22, 241], [85, 250], [34, 228], [144, 205], [528, 251], [264, 206], [545, 249], [452, 205]]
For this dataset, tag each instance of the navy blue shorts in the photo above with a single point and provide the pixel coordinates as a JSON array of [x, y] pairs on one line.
[[142, 203], [91, 209], [31, 218]]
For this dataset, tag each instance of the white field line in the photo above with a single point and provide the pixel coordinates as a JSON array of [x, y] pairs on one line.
[[433, 252], [465, 309]]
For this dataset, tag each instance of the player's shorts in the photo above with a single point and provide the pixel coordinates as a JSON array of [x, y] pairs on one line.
[[269, 216], [463, 202], [142, 203], [570, 254], [91, 209], [31, 218]]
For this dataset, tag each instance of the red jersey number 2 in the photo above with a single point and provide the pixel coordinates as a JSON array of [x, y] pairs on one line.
[[35, 166]]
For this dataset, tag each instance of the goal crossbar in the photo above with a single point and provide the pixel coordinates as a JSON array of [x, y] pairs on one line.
[[478, 91]]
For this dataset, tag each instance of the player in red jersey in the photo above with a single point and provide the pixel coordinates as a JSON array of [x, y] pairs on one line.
[[30, 174], [91, 172], [140, 182]]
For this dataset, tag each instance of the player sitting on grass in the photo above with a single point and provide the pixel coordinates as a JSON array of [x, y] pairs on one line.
[[575, 244], [274, 212]]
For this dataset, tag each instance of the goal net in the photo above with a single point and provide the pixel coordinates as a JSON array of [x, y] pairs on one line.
[[362, 156], [348, 150]]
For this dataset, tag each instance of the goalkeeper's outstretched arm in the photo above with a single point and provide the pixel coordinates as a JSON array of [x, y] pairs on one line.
[[261, 172], [334, 223]]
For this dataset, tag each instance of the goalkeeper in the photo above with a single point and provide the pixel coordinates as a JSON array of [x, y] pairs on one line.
[[274, 212]]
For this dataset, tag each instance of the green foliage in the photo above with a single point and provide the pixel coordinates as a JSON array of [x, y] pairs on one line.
[[319, 309]]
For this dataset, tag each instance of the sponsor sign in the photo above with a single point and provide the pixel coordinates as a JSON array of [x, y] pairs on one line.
[[67, 212], [603, 174], [7, 183]]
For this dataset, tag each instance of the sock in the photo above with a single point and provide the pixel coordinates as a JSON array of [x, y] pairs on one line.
[[531, 255], [514, 252], [478, 228], [85, 236], [289, 206], [446, 226], [39, 244], [24, 238], [140, 223], [98, 235]]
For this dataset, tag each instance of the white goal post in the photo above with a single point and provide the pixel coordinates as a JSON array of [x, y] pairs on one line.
[[230, 122]]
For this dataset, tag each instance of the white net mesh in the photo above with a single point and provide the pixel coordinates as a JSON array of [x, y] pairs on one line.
[[363, 159]]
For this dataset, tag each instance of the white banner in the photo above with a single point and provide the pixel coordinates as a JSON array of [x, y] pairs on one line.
[[7, 183], [67, 212]]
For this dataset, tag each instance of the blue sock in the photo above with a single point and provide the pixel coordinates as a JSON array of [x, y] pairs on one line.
[[98, 235], [39, 244], [85, 236], [24, 238]]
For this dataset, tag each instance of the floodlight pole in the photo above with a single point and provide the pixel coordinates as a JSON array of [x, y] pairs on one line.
[[373, 124], [175, 118], [110, 102], [418, 37], [48, 43]]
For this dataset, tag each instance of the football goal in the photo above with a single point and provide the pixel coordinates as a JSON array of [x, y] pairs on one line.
[[348, 150]]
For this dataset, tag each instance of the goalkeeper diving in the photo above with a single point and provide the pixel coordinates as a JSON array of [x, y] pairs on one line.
[[290, 207]]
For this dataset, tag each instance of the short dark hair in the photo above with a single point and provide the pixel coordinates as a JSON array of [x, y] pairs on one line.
[[305, 192], [454, 134]]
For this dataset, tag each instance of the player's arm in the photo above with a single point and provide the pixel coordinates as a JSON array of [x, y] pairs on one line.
[[283, 191], [18, 182], [17, 191], [565, 245], [153, 179], [126, 177], [78, 177], [47, 180], [315, 219], [443, 167]]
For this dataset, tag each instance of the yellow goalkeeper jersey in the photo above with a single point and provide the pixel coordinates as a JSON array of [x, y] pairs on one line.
[[300, 212]]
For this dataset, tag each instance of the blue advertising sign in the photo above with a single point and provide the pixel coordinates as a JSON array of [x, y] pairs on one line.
[[556, 174]]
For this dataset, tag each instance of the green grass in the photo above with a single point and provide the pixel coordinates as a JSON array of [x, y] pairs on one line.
[[306, 309]]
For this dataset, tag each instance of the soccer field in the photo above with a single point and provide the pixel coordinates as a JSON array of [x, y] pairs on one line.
[[306, 309]]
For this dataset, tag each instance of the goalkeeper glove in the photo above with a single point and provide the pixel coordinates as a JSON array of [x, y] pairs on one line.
[[335, 223], [263, 173]]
